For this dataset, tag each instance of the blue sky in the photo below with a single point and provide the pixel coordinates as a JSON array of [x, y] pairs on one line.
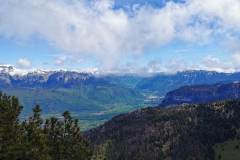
[[121, 36]]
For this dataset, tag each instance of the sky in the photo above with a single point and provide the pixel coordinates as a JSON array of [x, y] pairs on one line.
[[121, 36]]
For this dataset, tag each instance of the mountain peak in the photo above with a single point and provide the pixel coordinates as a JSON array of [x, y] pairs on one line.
[[12, 70], [6, 68]]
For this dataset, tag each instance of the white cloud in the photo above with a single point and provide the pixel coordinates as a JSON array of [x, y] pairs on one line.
[[98, 30], [212, 63], [60, 61], [176, 65], [154, 66], [24, 63], [63, 61]]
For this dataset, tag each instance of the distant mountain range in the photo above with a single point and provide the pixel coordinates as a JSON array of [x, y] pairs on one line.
[[156, 83], [200, 94], [45, 79], [95, 98], [163, 83]]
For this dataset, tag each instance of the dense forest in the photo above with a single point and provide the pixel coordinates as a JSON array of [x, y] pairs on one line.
[[187, 132]]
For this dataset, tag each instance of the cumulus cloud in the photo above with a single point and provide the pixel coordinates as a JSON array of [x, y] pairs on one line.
[[97, 29], [24, 63]]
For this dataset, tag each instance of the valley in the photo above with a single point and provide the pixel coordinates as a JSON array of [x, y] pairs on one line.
[[94, 99]]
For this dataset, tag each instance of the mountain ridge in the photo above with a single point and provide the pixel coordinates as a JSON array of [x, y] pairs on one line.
[[163, 83], [198, 94]]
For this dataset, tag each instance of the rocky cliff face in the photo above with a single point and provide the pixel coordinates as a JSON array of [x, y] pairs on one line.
[[202, 94], [45, 79]]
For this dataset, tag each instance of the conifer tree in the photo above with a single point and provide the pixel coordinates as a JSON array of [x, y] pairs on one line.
[[53, 130], [65, 140], [10, 138], [35, 137]]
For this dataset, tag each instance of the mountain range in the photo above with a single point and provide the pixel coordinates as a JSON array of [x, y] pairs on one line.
[[163, 83], [95, 98]]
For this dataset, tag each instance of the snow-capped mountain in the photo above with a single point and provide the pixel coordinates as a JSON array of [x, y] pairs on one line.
[[12, 70], [6, 69], [160, 84], [11, 76]]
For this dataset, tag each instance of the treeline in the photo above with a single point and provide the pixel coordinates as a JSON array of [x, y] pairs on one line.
[[38, 139]]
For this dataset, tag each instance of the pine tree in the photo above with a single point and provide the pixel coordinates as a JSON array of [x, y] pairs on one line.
[[53, 130], [35, 137], [10, 137], [65, 140]]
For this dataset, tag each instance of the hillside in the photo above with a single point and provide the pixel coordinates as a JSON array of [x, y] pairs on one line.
[[185, 132], [202, 94]]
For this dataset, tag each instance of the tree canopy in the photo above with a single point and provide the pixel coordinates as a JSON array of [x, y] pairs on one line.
[[36, 138]]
